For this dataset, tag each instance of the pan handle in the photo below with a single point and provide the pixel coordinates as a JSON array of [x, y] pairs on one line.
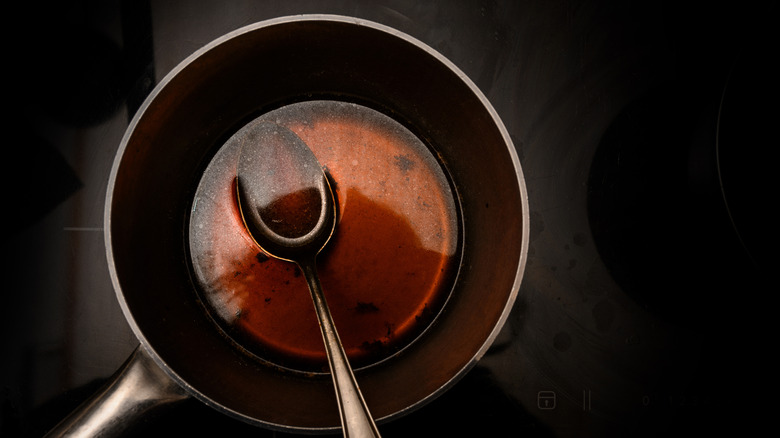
[[139, 387]]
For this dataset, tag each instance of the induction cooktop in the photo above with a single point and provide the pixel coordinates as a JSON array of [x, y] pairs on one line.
[[642, 130]]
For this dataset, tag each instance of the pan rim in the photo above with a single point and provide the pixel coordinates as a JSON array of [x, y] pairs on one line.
[[462, 77]]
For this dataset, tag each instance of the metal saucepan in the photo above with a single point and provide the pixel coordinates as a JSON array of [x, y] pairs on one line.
[[200, 104]]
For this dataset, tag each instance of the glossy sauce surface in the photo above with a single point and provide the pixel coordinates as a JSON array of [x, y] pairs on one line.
[[387, 270], [293, 214]]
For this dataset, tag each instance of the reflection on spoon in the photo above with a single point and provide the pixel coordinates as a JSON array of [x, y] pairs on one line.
[[287, 205]]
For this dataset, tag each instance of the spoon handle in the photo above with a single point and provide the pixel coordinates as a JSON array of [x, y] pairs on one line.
[[356, 419]]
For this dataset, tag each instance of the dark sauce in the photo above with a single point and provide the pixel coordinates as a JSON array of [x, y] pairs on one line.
[[293, 214], [386, 272]]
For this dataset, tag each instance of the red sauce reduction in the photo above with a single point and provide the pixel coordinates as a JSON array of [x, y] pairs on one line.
[[294, 214], [386, 271]]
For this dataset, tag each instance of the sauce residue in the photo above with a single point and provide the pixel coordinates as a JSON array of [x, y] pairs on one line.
[[387, 270], [293, 214]]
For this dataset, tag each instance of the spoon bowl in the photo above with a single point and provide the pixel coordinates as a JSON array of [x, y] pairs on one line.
[[288, 207], [284, 197]]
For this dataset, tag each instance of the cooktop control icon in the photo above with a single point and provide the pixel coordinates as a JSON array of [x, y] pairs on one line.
[[545, 400]]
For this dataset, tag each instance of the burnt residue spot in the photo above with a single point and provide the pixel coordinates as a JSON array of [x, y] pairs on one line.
[[373, 347], [425, 315], [368, 307], [261, 257], [267, 300], [421, 201], [404, 163], [236, 274]]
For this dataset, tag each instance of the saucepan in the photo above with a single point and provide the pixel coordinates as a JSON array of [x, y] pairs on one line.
[[190, 114]]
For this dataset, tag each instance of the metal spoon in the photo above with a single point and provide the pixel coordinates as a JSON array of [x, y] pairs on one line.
[[287, 206]]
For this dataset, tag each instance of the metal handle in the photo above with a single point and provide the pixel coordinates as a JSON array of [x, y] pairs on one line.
[[356, 419], [138, 388]]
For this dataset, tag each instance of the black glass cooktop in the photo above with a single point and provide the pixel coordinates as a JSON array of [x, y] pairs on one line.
[[642, 129]]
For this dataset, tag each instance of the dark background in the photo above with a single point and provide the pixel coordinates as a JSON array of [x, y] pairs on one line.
[[643, 132]]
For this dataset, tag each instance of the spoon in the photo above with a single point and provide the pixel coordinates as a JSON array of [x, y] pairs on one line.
[[287, 206]]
